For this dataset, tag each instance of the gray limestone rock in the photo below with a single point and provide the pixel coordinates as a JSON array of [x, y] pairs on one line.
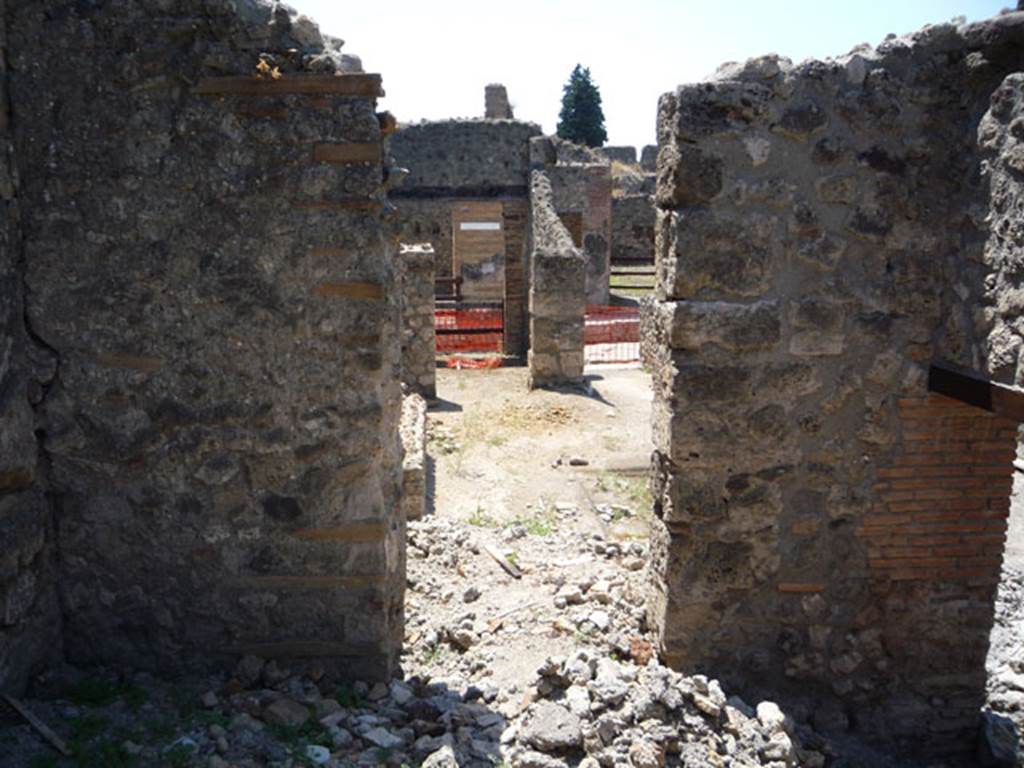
[[550, 727]]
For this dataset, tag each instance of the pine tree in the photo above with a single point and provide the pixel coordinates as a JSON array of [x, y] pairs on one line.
[[581, 119]]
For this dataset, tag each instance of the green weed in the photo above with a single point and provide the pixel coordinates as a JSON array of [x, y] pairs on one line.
[[93, 692], [481, 519], [349, 698]]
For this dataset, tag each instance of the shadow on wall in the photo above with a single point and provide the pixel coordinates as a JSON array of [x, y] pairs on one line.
[[998, 742]]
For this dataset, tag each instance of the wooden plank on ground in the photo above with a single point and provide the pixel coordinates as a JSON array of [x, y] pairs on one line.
[[39, 725], [504, 562]]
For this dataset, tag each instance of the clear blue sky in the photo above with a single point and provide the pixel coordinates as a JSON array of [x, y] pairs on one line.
[[436, 57]]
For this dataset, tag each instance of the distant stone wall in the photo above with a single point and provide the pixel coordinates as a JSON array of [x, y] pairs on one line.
[[620, 154], [462, 161], [581, 185], [30, 618], [215, 334], [828, 529], [473, 157], [649, 158], [557, 301], [428, 220], [419, 339], [633, 218]]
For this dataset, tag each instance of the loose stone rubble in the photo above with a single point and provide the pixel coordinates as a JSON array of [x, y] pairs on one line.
[[605, 701]]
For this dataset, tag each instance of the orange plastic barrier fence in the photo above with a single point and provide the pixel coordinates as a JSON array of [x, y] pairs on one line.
[[469, 329], [477, 342], [611, 325], [457, 361]]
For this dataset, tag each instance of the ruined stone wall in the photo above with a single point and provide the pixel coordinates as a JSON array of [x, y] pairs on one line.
[[581, 184], [419, 341], [475, 157], [649, 158], [457, 161], [203, 258], [427, 221], [557, 300], [620, 154], [633, 219], [830, 531], [30, 631], [1001, 141]]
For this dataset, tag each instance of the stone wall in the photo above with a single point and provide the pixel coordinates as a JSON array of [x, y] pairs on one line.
[[620, 154], [633, 218], [1001, 141], [828, 529], [464, 158], [581, 185], [653, 345], [557, 300], [649, 158], [215, 326], [453, 162], [30, 631], [419, 340]]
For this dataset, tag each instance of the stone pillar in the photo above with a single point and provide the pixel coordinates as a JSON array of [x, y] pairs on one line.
[[419, 341], [828, 528], [557, 297], [414, 463], [496, 104]]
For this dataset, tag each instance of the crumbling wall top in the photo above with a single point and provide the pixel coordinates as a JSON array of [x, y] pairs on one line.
[[476, 154]]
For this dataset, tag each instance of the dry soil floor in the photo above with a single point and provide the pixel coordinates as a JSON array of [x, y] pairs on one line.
[[557, 482]]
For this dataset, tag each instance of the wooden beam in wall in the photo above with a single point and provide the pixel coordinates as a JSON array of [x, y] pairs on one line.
[[250, 85], [971, 389], [344, 154]]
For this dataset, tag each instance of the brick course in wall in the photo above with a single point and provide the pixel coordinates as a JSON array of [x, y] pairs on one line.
[[943, 500]]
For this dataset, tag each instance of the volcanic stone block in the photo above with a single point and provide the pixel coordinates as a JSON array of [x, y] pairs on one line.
[[703, 254], [687, 176], [735, 327]]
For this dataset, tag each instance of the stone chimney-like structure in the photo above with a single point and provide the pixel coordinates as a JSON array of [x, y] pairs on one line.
[[496, 106]]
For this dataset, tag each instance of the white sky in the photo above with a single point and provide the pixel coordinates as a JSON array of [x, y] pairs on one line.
[[436, 57]]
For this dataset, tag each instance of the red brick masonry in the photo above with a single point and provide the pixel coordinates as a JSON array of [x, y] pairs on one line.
[[944, 500]]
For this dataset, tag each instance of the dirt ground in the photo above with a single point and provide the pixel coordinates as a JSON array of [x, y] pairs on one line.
[[556, 481], [514, 446]]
